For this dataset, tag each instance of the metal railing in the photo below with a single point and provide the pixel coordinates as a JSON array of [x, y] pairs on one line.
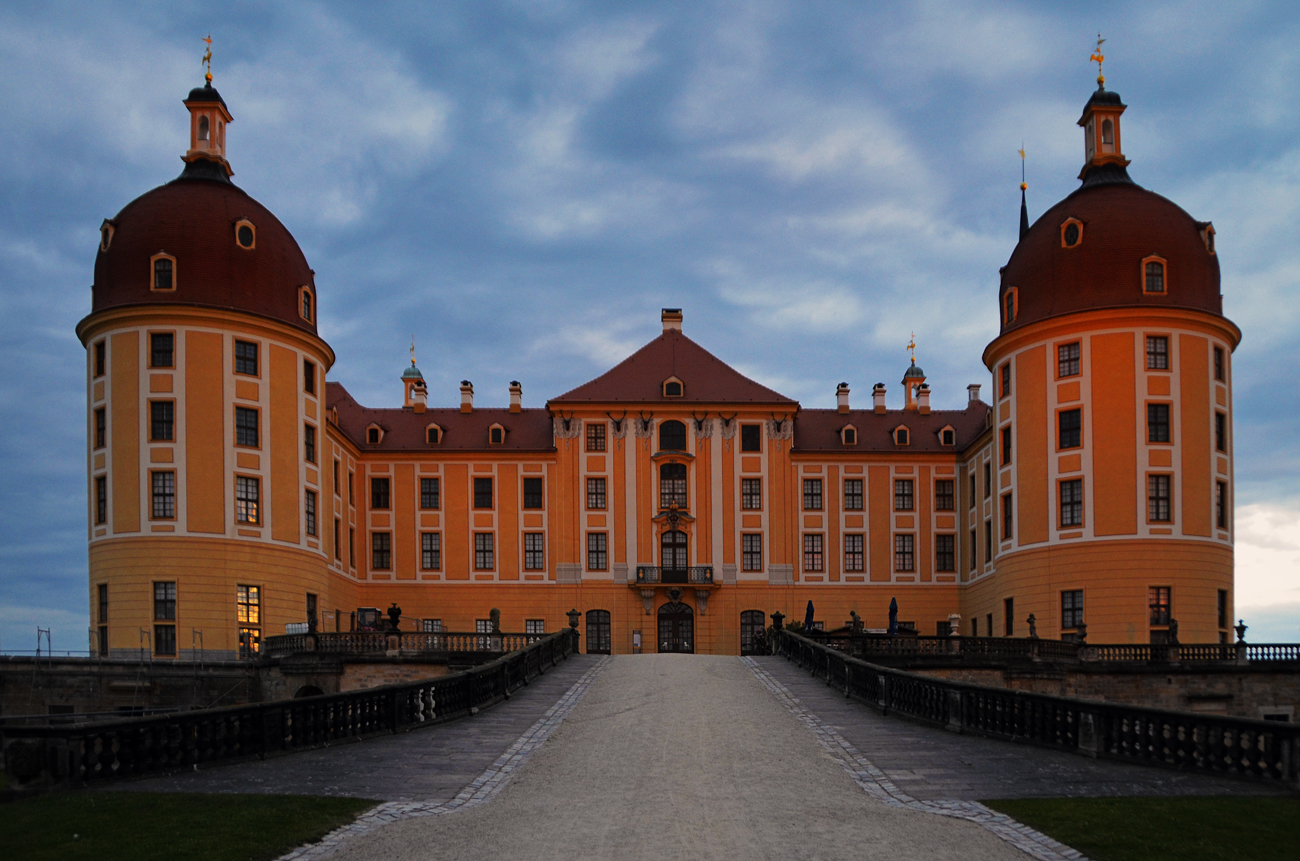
[[377, 642], [657, 574], [133, 747], [1210, 743]]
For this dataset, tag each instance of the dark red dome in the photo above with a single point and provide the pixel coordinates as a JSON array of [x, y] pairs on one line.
[[194, 221], [1122, 224]]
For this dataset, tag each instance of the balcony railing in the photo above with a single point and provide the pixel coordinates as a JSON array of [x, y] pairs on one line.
[[377, 642], [651, 575]]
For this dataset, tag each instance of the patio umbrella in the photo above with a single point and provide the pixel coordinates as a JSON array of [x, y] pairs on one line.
[[893, 616], [808, 617]]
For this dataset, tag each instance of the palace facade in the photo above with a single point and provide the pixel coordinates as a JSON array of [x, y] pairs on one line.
[[672, 501]]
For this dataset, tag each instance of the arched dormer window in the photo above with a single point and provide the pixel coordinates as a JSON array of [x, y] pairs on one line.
[[902, 436], [433, 434], [306, 304], [496, 434], [672, 436], [947, 435], [674, 388], [204, 136], [1153, 275], [163, 267], [849, 435], [374, 434], [1009, 303]]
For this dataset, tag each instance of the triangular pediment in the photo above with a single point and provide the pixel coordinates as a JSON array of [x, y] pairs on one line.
[[640, 377]]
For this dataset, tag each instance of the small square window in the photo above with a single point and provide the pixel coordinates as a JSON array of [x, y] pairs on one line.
[[672, 389], [1067, 360], [247, 499], [162, 350], [1157, 353], [595, 436], [751, 437], [246, 358]]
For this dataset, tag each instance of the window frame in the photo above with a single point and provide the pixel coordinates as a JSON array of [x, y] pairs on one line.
[[905, 552], [814, 552], [1157, 425], [161, 428], [755, 430], [945, 556], [245, 361], [430, 493], [381, 550], [813, 499], [595, 437], [309, 511], [535, 557], [172, 272], [685, 438], [243, 428], [597, 551], [1010, 306], [945, 498], [1220, 364], [307, 303], [243, 501], [381, 493], [751, 494], [751, 552], [904, 494], [855, 553], [534, 493], [484, 551], [1158, 350], [430, 551], [100, 357], [1160, 606], [1062, 444], [1004, 380], [101, 500], [169, 352], [1069, 365], [676, 488], [854, 494], [1144, 270], [1220, 431], [308, 376], [1071, 609], [1221, 506], [484, 493], [166, 496], [1006, 440], [1155, 497], [1008, 517], [1074, 506], [309, 442], [596, 495]]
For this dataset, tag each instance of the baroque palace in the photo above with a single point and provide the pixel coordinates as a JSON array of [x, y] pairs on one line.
[[672, 501]]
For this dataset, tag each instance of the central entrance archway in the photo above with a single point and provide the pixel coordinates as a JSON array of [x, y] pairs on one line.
[[676, 627]]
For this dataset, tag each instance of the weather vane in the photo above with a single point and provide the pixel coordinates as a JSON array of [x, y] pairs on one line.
[[911, 348], [412, 350], [207, 60], [1097, 57]]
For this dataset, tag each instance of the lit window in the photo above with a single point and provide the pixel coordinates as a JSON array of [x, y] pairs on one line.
[[247, 499], [1159, 604]]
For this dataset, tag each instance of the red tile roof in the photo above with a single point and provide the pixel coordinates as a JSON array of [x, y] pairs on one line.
[[527, 431], [706, 378], [819, 430]]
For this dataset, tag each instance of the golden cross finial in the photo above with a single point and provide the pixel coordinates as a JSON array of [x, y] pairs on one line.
[[1098, 57], [911, 348], [207, 60]]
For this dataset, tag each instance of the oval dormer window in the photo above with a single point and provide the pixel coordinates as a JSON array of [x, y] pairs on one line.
[[245, 234], [1071, 235]]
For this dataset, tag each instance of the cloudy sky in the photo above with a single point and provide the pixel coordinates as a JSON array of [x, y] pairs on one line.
[[522, 185]]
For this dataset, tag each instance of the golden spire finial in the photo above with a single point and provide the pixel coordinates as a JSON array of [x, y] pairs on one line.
[[412, 350], [207, 60], [911, 348], [1023, 186], [1097, 57]]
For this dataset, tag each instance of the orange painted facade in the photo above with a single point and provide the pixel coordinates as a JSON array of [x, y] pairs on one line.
[[232, 491]]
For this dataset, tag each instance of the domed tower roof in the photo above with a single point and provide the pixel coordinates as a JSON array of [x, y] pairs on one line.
[[913, 372], [228, 250], [1092, 249]]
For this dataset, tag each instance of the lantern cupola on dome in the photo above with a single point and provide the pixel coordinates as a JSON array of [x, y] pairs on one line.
[[1104, 160]]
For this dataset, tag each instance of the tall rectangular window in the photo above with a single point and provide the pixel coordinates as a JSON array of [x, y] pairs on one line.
[[1008, 616], [534, 551], [1158, 499], [751, 437], [1155, 282], [751, 494], [336, 478], [972, 489], [597, 551], [162, 421], [101, 499], [1005, 380], [854, 555], [1218, 364], [1224, 618], [248, 613], [1221, 504], [1071, 608], [101, 428], [1072, 502], [813, 554], [1220, 432], [905, 552], [309, 511], [430, 551], [974, 551], [163, 494], [380, 493], [100, 356], [1069, 428], [1157, 353], [248, 493], [1008, 523], [484, 552], [945, 494], [309, 443], [1157, 422], [945, 553], [812, 494], [595, 436], [352, 547], [533, 498], [1067, 360], [1006, 445], [102, 633], [162, 274], [429, 493], [246, 358], [482, 493], [1159, 604], [596, 494], [352, 497], [164, 601], [246, 427], [852, 494], [904, 494], [162, 350], [164, 639], [988, 479], [988, 541], [338, 551], [751, 551], [381, 550], [309, 376]]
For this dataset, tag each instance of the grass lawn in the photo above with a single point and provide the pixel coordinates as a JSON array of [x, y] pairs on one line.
[[1150, 829], [146, 825]]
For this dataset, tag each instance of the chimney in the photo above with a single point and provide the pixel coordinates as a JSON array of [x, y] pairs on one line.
[[842, 397], [973, 392], [466, 396], [419, 397], [878, 398], [516, 397], [923, 399], [672, 319]]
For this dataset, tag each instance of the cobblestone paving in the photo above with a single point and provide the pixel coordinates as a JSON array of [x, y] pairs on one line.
[[427, 765], [930, 763]]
